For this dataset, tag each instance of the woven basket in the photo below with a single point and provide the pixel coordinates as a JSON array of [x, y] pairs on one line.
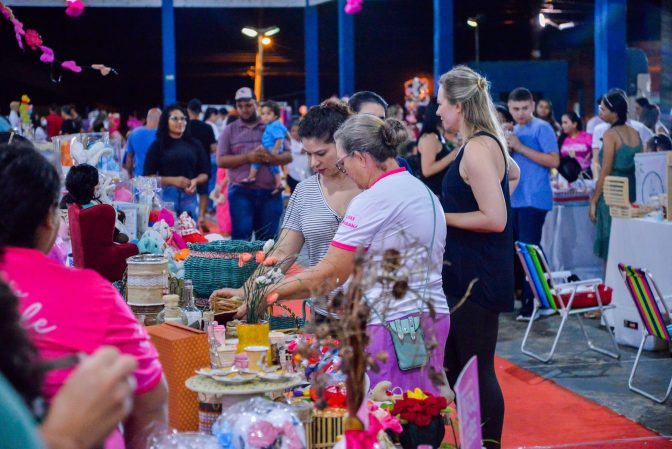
[[215, 265], [288, 319], [325, 429]]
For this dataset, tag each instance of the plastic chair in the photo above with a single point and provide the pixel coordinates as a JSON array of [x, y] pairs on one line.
[[548, 295], [639, 283]]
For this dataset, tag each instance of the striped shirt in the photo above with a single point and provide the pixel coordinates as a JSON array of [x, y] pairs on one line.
[[309, 214]]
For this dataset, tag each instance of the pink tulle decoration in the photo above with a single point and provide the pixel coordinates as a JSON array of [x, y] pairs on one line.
[[47, 54], [353, 6], [75, 8], [33, 39], [123, 194], [71, 65]]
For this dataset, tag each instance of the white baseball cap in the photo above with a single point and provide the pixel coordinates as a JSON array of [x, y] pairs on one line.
[[245, 93]]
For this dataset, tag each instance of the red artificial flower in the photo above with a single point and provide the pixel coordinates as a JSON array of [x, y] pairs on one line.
[[423, 420], [33, 39]]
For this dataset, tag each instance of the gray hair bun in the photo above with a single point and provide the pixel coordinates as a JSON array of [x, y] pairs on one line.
[[393, 133]]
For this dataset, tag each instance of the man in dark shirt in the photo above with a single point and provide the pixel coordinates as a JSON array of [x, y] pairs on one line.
[[203, 133]]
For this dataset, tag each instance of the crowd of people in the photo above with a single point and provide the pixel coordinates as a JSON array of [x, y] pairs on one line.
[[466, 180]]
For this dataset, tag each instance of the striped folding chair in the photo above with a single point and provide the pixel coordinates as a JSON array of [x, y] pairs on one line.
[[655, 324], [558, 298]]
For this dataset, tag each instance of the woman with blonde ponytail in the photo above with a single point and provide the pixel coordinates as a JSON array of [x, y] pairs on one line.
[[479, 241]]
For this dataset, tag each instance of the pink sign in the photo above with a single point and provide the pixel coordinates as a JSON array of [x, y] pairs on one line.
[[469, 406]]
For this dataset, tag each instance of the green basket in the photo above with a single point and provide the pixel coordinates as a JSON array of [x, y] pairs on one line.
[[214, 265]]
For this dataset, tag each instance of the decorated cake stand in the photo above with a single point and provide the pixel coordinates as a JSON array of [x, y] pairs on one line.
[[214, 396]]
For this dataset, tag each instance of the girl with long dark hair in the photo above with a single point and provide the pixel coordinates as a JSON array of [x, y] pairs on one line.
[[178, 160]]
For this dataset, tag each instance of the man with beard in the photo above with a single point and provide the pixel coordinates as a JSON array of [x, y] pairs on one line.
[[253, 206]]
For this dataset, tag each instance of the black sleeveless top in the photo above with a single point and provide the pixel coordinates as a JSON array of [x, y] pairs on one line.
[[434, 181], [469, 254]]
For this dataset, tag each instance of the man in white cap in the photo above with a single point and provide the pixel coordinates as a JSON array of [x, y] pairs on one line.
[[253, 206]]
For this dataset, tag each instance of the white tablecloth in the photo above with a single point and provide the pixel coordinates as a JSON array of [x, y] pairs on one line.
[[644, 244], [567, 239]]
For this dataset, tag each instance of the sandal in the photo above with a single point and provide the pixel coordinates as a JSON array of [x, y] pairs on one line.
[[277, 191], [248, 180]]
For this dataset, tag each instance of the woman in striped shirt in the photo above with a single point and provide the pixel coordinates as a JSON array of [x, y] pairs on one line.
[[318, 204]]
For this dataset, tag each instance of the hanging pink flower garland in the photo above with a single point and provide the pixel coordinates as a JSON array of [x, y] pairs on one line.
[[353, 6], [34, 41]]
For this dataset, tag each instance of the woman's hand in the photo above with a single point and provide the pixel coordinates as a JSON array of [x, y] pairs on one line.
[[191, 188], [225, 293], [592, 213], [94, 400], [181, 182]]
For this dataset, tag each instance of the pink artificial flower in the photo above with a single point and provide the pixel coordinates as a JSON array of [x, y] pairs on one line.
[[353, 6], [71, 65], [47, 54], [33, 39], [75, 8]]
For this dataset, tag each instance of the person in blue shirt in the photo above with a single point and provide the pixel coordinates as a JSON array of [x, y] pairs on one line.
[[272, 140], [535, 150], [139, 141]]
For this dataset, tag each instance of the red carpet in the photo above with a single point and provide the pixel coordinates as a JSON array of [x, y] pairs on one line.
[[541, 413]]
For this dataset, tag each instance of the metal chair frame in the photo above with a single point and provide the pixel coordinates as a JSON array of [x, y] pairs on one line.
[[564, 310], [646, 333]]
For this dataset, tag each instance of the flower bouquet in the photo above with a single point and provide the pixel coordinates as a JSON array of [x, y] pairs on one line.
[[421, 418]]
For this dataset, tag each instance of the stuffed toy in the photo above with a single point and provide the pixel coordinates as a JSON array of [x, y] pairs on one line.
[[151, 242], [186, 227], [163, 229], [91, 156], [167, 216], [25, 110]]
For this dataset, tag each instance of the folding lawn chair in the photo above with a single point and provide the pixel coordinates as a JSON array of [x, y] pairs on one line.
[[639, 283], [561, 298]]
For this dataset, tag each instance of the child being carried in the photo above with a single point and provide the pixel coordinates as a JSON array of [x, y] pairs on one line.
[[272, 140]]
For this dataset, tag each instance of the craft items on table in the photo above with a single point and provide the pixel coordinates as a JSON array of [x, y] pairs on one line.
[[146, 280]]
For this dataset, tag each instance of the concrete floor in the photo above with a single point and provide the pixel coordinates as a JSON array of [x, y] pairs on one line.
[[597, 377]]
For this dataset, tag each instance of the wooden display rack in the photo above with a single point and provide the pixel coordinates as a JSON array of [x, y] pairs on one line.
[[617, 197]]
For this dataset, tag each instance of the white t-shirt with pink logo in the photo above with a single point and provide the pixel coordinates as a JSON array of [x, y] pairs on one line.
[[399, 212]]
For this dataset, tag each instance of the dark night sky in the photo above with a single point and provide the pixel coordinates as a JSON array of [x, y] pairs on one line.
[[393, 43]]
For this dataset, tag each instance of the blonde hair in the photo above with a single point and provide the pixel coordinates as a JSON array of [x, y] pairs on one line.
[[465, 86]]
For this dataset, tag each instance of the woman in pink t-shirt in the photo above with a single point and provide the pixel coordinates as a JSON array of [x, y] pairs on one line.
[[575, 142], [68, 311]]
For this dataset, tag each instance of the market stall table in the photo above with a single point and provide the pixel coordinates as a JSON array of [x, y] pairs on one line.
[[643, 243], [214, 396], [568, 235]]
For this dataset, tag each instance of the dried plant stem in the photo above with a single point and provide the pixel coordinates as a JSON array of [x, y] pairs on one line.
[[357, 340]]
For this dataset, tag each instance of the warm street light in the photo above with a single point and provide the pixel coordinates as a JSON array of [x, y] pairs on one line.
[[263, 38], [474, 23]]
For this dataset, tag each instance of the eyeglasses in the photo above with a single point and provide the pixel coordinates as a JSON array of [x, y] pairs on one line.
[[178, 119], [340, 164]]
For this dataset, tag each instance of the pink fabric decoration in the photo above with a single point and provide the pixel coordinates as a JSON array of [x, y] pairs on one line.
[[353, 6], [178, 241], [71, 65], [47, 54], [75, 8], [262, 434], [363, 439], [164, 214], [123, 194]]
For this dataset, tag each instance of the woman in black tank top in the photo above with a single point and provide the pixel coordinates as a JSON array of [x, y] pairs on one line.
[[479, 242], [434, 154]]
